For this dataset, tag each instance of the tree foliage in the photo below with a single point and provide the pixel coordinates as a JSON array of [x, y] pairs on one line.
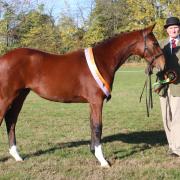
[[106, 19], [38, 31], [29, 25], [71, 35]]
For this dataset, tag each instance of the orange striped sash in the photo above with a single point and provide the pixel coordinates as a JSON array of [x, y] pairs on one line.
[[96, 74]]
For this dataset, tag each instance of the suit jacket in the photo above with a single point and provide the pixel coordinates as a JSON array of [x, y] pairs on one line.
[[172, 63]]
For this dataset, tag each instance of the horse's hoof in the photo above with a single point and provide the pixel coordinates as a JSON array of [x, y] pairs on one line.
[[105, 165], [19, 160]]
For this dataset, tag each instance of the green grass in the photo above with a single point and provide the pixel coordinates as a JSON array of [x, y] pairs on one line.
[[54, 138]]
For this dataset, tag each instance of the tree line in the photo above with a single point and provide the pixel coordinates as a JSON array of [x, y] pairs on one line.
[[25, 23]]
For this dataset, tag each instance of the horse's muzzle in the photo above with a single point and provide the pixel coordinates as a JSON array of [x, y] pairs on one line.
[[160, 63]]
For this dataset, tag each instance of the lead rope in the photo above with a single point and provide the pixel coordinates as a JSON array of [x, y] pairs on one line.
[[149, 99]]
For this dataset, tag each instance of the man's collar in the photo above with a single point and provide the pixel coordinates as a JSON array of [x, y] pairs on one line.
[[177, 38]]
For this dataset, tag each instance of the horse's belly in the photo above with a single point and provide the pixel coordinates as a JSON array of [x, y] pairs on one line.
[[60, 94], [65, 99]]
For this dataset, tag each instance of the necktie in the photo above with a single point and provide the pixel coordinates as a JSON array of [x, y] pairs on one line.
[[173, 42]]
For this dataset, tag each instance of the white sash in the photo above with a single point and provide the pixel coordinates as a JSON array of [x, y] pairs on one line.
[[96, 74]]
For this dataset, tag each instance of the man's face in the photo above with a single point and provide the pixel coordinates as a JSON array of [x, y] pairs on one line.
[[173, 31]]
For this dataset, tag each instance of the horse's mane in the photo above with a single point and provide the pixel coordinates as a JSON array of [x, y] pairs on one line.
[[117, 35]]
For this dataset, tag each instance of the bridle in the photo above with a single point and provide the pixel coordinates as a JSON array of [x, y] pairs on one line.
[[149, 100], [154, 57]]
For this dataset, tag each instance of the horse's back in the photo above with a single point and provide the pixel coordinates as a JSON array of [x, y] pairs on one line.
[[36, 60]]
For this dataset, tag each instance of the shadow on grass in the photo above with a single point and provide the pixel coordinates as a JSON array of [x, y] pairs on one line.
[[148, 138]]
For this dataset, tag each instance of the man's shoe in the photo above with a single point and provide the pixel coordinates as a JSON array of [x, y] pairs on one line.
[[169, 152], [173, 154]]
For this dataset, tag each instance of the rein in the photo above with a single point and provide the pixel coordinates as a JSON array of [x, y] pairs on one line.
[[148, 83], [148, 87]]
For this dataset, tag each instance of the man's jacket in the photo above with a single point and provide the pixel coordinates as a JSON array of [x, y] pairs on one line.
[[172, 63]]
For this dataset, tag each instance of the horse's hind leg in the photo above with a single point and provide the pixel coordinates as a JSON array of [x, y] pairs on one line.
[[11, 119]]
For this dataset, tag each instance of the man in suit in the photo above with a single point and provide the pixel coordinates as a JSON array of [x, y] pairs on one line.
[[170, 100]]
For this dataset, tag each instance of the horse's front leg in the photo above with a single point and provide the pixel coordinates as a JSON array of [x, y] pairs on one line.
[[96, 132]]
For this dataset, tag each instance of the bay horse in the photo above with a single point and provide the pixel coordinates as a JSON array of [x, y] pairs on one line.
[[68, 79]]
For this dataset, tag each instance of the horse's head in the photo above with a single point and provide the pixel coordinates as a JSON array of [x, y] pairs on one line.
[[151, 50]]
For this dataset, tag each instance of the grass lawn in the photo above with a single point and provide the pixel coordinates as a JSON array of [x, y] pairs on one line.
[[53, 138]]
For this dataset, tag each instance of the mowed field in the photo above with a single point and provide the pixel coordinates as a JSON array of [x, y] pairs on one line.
[[53, 138]]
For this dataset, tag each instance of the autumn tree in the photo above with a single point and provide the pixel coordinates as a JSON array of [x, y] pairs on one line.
[[71, 35], [38, 30], [147, 12], [107, 18]]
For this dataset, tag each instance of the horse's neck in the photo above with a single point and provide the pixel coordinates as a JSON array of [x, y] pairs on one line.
[[113, 53]]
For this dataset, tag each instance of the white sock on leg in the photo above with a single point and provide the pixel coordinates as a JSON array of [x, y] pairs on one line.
[[14, 153]]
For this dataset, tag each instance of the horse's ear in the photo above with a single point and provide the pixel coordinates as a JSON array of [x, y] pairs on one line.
[[149, 29]]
